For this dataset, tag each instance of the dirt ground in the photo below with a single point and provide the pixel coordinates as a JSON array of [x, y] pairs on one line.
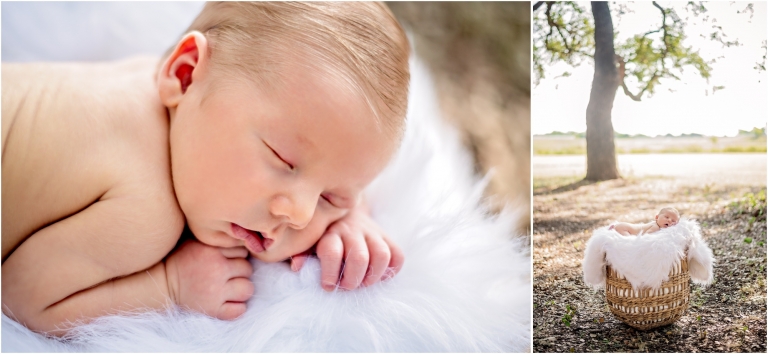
[[728, 316]]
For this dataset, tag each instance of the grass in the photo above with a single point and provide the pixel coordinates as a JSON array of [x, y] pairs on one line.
[[568, 316], [751, 203], [575, 145], [574, 150], [743, 149], [541, 184], [692, 149]]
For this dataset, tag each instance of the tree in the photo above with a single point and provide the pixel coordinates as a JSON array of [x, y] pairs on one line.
[[602, 165], [564, 31], [478, 54]]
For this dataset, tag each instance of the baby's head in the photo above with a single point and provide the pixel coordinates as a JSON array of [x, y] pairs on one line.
[[280, 115], [667, 217]]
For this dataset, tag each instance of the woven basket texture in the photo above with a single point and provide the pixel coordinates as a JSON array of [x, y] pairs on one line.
[[645, 308]]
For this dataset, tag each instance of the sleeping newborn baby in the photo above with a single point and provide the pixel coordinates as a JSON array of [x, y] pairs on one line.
[[665, 218], [257, 131]]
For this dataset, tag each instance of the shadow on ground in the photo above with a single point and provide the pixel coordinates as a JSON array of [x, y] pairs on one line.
[[565, 188], [728, 316]]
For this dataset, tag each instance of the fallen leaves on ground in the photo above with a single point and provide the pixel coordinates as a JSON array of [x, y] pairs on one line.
[[728, 316]]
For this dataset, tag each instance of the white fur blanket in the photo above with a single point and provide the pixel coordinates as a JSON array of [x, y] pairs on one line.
[[646, 261], [465, 285]]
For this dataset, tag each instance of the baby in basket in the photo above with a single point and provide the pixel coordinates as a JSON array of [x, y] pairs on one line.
[[257, 131], [665, 218]]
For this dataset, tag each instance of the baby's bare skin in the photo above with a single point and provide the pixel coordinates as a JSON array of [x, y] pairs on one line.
[[665, 218], [93, 207], [88, 203], [71, 137], [628, 229]]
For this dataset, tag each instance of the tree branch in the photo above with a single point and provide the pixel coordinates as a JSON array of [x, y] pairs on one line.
[[621, 75], [664, 37], [633, 97], [664, 53], [553, 24], [537, 5], [652, 32], [620, 78], [549, 21]]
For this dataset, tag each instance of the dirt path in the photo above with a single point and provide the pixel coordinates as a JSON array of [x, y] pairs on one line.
[[729, 316]]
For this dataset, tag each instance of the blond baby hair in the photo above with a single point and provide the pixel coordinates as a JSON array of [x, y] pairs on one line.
[[669, 209], [362, 43]]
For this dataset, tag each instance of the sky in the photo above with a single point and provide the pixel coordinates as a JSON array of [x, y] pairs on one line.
[[560, 104]]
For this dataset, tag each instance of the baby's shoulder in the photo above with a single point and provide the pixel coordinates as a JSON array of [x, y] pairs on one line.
[[153, 211], [651, 227], [75, 133]]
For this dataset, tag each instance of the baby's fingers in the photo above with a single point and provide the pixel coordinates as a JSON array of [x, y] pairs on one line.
[[238, 290], [396, 261], [330, 251], [355, 262], [380, 257], [235, 252], [297, 261], [240, 268], [231, 310]]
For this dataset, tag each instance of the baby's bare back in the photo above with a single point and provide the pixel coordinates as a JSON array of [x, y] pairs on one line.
[[86, 188], [628, 229]]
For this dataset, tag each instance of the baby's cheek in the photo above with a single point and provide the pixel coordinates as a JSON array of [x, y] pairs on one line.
[[297, 241], [211, 237]]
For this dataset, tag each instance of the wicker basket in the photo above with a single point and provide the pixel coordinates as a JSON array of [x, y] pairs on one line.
[[645, 308]]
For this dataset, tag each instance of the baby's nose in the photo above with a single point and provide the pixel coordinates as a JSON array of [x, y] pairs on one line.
[[297, 210]]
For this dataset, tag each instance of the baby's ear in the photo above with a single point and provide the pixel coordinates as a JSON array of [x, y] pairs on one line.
[[182, 68]]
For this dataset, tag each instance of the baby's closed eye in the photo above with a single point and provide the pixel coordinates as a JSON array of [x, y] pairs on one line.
[[338, 201], [288, 164]]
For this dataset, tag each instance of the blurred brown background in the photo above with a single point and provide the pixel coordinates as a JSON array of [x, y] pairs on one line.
[[479, 55]]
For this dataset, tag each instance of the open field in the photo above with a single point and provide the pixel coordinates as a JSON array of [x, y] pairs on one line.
[[734, 168], [573, 145]]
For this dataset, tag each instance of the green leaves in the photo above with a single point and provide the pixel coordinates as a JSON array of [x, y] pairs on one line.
[[660, 54], [564, 31], [568, 316]]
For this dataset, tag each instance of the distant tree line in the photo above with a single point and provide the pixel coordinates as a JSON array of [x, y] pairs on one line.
[[755, 132]]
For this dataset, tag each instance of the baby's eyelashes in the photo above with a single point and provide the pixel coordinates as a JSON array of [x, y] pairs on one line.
[[288, 164], [327, 199]]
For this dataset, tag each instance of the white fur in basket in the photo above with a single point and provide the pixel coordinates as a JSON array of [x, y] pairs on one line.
[[465, 285], [645, 261]]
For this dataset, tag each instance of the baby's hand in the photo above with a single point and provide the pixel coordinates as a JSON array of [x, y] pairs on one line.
[[212, 280], [356, 250]]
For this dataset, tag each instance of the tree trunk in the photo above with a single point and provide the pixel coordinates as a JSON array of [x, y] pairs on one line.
[[601, 152]]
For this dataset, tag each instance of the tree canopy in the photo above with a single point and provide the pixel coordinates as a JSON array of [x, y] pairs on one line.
[[564, 31]]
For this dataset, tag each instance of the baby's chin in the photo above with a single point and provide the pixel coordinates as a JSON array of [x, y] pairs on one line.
[[270, 257], [217, 239]]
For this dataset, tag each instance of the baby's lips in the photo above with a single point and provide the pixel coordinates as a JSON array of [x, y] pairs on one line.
[[252, 242], [268, 242]]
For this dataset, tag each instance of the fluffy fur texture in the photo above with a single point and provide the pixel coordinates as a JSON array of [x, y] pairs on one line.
[[647, 260], [465, 285]]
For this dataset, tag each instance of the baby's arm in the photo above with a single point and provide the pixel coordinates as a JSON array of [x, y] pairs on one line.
[[651, 228], [626, 229], [65, 271], [92, 264]]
